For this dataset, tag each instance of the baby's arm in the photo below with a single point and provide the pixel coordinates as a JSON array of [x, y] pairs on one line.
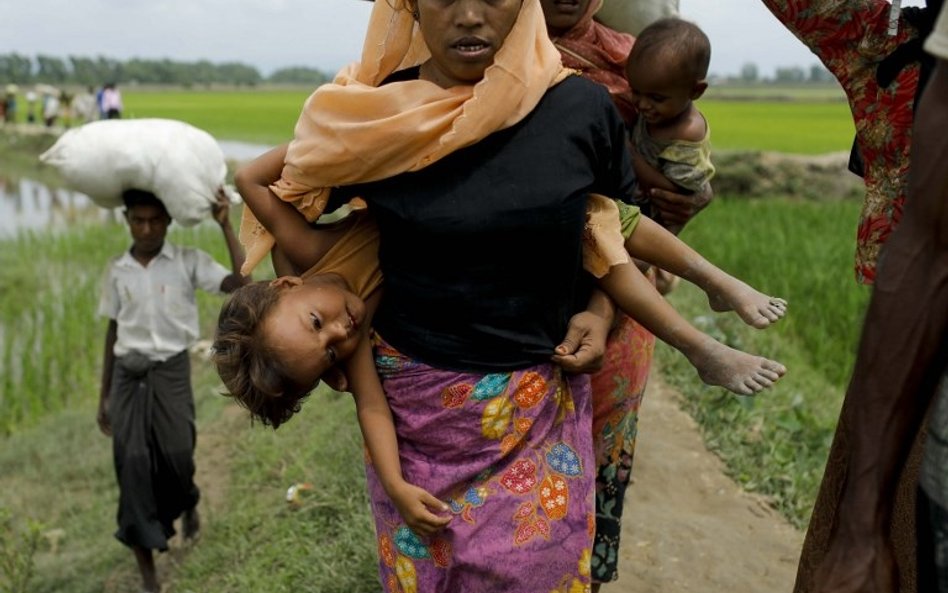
[[378, 429], [649, 177]]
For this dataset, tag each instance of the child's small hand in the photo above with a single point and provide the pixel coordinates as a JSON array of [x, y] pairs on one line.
[[221, 208], [415, 505]]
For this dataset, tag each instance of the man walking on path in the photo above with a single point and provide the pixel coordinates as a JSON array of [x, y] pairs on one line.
[[146, 403]]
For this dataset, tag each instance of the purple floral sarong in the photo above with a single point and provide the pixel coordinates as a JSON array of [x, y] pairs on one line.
[[511, 454]]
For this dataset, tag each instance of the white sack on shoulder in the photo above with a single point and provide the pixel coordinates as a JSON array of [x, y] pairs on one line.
[[182, 165], [631, 17]]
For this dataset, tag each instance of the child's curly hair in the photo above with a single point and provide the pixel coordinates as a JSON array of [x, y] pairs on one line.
[[245, 363]]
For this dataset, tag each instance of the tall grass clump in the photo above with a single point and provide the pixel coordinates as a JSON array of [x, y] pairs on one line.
[[777, 443], [18, 545]]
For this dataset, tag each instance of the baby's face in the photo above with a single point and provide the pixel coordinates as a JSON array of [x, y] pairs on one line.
[[313, 326], [660, 93]]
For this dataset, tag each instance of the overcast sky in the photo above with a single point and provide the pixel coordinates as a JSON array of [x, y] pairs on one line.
[[325, 34]]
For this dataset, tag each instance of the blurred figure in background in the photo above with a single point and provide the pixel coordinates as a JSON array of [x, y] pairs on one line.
[[51, 106], [30, 106], [111, 101], [84, 106]]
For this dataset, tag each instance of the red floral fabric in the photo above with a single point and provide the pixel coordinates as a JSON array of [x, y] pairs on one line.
[[851, 37]]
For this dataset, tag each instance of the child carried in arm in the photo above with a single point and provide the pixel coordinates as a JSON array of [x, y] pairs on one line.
[[670, 142], [275, 340]]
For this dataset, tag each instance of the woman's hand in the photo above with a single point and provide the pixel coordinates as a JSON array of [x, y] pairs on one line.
[[583, 348], [674, 210], [414, 504]]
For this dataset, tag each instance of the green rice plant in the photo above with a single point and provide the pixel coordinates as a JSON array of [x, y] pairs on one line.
[[776, 444], [18, 545]]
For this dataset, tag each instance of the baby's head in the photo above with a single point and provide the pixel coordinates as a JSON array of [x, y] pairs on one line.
[[667, 68], [275, 340]]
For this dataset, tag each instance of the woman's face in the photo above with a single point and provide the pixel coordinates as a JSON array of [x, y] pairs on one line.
[[463, 36], [562, 15]]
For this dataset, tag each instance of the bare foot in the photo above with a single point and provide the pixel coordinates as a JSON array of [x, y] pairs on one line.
[[754, 307], [740, 372], [191, 524]]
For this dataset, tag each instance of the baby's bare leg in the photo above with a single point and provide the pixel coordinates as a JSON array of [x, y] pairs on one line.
[[717, 364], [652, 243]]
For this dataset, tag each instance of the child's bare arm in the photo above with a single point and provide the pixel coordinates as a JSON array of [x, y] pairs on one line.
[[302, 244], [378, 429]]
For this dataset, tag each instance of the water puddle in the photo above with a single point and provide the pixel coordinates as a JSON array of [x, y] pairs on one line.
[[29, 205]]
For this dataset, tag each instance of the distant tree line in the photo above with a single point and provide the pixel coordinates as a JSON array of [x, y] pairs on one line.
[[77, 70]]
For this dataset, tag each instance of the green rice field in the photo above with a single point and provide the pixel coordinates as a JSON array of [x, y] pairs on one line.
[[264, 116]]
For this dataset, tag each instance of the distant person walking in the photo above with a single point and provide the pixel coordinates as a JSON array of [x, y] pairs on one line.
[[111, 102], [84, 106], [8, 105], [50, 108], [30, 106]]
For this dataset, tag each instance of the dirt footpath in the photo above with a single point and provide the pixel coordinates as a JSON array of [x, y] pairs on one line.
[[687, 526]]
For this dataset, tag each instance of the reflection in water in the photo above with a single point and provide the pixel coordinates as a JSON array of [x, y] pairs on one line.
[[242, 151], [28, 205]]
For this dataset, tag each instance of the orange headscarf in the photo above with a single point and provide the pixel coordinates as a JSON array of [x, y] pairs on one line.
[[354, 130], [600, 54]]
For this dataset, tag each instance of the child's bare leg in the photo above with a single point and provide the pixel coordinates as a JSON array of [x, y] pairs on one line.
[[717, 364], [654, 244], [146, 566]]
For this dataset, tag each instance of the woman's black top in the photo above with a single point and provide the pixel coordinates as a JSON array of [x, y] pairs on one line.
[[481, 251]]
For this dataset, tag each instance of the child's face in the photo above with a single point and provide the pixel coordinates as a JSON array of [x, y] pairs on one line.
[[314, 325], [148, 225], [660, 93]]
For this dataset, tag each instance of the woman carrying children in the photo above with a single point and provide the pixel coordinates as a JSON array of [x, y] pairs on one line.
[[479, 185], [600, 54], [480, 203]]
